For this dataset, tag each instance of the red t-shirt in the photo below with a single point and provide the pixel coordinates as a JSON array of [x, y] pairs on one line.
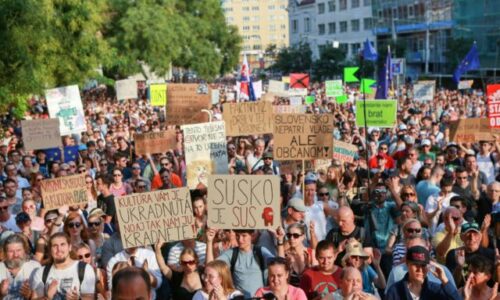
[[157, 183], [315, 283]]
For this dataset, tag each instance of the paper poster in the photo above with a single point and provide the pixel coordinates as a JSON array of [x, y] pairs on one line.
[[334, 88], [146, 218], [295, 100], [257, 89], [276, 87], [215, 96], [206, 152], [185, 102], [424, 91], [126, 89], [288, 109], [310, 99], [297, 92], [158, 94], [493, 95], [248, 118], [155, 142], [379, 113], [66, 190], [303, 136], [472, 130], [65, 103], [41, 134], [243, 202], [465, 84], [322, 165], [344, 152]]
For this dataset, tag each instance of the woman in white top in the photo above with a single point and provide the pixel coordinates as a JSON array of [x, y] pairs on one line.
[[218, 283]]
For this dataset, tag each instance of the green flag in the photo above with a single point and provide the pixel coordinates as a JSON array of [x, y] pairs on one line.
[[349, 74], [310, 99], [365, 85]]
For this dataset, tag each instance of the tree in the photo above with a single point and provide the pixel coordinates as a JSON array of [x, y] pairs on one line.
[[329, 64], [294, 59]]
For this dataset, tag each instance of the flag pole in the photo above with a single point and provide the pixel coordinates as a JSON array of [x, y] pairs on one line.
[[362, 71]]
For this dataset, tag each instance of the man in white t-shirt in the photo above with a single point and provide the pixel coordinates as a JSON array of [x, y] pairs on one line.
[[7, 220], [65, 278], [438, 203], [17, 269]]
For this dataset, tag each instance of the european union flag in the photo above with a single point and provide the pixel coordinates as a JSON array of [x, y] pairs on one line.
[[70, 153], [470, 62], [53, 154], [369, 52], [384, 78]]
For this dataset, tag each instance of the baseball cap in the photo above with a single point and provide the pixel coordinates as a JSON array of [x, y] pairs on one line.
[[297, 204], [310, 178], [417, 255], [268, 155], [470, 226], [402, 127], [409, 140], [426, 142], [82, 147]]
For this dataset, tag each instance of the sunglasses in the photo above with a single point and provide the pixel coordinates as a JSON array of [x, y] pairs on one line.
[[188, 262], [141, 186], [50, 220], [74, 225], [4, 208], [117, 175], [95, 224], [293, 235], [324, 194], [136, 168], [86, 255], [408, 194], [413, 230]]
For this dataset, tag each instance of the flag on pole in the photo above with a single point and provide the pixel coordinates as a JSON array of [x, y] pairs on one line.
[[470, 62], [384, 78], [369, 52], [246, 86]]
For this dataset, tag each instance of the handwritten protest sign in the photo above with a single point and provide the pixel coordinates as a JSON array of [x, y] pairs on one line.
[[146, 218], [67, 190], [205, 150], [41, 134], [322, 165], [303, 136], [126, 89], [276, 87], [334, 88], [155, 142], [243, 201], [185, 102], [344, 152], [288, 166], [289, 109], [65, 103], [215, 96], [472, 130], [379, 113], [248, 118], [424, 91], [158, 94], [493, 96]]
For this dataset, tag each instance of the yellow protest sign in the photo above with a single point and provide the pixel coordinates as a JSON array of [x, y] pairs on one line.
[[158, 94]]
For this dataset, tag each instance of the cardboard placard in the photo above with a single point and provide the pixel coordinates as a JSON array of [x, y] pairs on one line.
[[424, 91], [243, 201], [155, 142], [493, 96], [303, 136], [206, 152], [158, 94], [299, 80], [322, 164], [248, 118], [379, 113], [146, 218], [185, 102], [67, 190], [472, 130], [126, 89], [41, 134], [65, 103], [289, 109], [288, 166], [344, 152]]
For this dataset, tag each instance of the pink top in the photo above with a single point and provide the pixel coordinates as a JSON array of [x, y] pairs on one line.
[[294, 293]]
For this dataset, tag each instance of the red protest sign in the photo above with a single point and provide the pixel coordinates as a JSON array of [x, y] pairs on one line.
[[493, 93], [299, 81]]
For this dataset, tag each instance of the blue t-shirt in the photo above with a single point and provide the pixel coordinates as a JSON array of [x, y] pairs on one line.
[[369, 276], [383, 219], [424, 190]]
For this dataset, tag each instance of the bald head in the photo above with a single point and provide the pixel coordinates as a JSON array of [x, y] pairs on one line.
[[346, 220]]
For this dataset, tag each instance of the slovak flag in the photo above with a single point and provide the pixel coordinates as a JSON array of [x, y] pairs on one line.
[[246, 86]]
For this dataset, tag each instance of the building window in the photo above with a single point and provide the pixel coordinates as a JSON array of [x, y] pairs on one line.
[[246, 19], [321, 29], [342, 4], [255, 18], [272, 27], [367, 23], [354, 25], [331, 28], [321, 8], [255, 8], [307, 25], [355, 4], [245, 8], [271, 7], [355, 48], [367, 2], [331, 5], [344, 47], [295, 26], [255, 27], [343, 26], [283, 26], [246, 28], [257, 47]]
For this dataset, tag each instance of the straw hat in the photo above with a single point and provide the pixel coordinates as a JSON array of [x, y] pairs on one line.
[[353, 248]]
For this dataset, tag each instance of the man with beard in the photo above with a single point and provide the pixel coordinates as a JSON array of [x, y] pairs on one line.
[[65, 278], [16, 269]]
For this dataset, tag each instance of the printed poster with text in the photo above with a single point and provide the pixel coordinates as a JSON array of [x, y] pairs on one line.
[[303, 136], [493, 94], [206, 152], [146, 218], [243, 202], [65, 103], [379, 113]]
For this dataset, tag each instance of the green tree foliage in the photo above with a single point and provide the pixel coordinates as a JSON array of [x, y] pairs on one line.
[[457, 49], [294, 59], [330, 63]]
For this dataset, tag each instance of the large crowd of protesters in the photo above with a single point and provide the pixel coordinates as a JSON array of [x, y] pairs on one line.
[[414, 216]]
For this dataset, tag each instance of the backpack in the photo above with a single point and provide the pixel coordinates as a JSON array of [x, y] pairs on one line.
[[81, 272], [257, 254]]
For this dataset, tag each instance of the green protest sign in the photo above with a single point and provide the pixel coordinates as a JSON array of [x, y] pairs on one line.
[[341, 99], [349, 74], [379, 113], [366, 84], [310, 99], [334, 88]]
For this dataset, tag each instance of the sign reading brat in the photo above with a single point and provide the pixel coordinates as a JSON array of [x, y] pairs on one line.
[[303, 136], [67, 190], [146, 218], [243, 201]]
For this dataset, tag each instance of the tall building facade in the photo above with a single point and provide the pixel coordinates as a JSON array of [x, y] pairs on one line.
[[261, 23], [319, 22]]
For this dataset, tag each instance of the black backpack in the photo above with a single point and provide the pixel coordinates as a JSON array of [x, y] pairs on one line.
[[257, 254], [81, 272]]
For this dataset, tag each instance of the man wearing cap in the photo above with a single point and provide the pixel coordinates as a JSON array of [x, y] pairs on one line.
[[269, 163], [451, 158], [458, 258], [375, 161], [415, 284], [425, 151]]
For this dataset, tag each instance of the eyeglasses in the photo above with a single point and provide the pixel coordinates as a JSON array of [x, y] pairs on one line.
[[50, 220], [141, 186], [103, 164], [188, 262], [74, 225], [117, 175], [413, 230], [136, 168], [4, 208], [86, 255], [72, 167], [95, 224], [323, 194], [408, 194], [268, 158], [293, 235], [356, 257]]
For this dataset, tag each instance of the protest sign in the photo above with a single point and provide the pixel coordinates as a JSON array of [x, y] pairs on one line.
[[257, 89], [215, 96], [398, 66], [472, 130], [126, 89], [379, 113], [424, 91], [295, 100], [299, 80], [65, 103], [285, 79], [288, 109], [493, 96], [66, 190], [303, 136], [322, 165], [465, 84], [41, 134], [243, 201], [288, 166], [344, 152], [296, 92], [148, 218], [334, 88], [205, 150], [248, 118], [185, 102], [310, 99], [155, 142], [276, 87], [158, 94]]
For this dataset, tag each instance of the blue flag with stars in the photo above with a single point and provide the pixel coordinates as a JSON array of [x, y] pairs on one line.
[[53, 154], [70, 153], [369, 52], [470, 62], [384, 78]]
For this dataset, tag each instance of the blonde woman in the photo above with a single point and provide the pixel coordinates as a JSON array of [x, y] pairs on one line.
[[218, 283]]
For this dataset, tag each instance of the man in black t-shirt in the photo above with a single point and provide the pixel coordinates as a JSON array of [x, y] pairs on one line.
[[105, 200]]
